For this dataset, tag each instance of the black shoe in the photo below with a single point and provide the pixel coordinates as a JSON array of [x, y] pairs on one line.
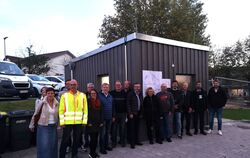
[[169, 140], [132, 146], [195, 132], [123, 145], [108, 148], [103, 151], [139, 143], [179, 136], [96, 155], [113, 145], [204, 133], [151, 142], [159, 142], [189, 134]]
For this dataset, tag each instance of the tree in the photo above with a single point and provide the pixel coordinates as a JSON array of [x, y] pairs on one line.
[[35, 64], [173, 19]]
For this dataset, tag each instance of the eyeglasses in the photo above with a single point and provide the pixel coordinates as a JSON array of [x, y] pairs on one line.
[[92, 93]]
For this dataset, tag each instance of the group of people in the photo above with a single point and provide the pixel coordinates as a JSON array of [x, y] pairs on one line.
[[103, 117]]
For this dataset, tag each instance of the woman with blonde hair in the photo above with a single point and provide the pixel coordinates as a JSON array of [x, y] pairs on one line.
[[152, 114]]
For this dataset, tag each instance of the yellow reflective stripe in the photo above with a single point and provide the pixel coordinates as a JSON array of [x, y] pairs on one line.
[[72, 118], [73, 113], [66, 101]]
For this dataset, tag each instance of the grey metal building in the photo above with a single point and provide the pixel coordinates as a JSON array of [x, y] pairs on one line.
[[125, 58]]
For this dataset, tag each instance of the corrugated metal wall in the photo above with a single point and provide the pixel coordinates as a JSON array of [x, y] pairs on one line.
[[141, 55], [160, 57]]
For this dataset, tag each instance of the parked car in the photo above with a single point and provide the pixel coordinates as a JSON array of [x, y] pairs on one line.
[[39, 82], [58, 79], [13, 81]]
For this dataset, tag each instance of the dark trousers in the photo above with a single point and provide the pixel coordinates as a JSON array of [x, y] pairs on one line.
[[133, 132], [187, 116], [153, 128], [67, 135], [86, 138], [119, 127], [93, 142], [199, 117], [104, 134]]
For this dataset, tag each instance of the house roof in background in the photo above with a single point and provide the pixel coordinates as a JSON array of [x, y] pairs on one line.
[[49, 55]]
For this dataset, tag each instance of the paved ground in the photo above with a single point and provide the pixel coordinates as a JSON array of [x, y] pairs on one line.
[[235, 143]]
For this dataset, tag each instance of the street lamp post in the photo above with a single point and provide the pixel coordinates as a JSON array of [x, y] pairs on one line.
[[4, 47]]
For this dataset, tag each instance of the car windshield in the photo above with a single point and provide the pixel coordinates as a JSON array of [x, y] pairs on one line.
[[61, 78], [10, 69], [37, 78]]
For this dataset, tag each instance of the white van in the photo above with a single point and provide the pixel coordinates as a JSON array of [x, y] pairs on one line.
[[13, 81]]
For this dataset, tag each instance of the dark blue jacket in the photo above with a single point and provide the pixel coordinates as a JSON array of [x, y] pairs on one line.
[[107, 103]]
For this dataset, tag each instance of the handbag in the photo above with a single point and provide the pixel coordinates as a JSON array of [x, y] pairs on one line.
[[37, 116]]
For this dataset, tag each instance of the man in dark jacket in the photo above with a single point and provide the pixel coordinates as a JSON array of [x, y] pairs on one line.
[[199, 101], [177, 107], [217, 99], [167, 105], [134, 109], [108, 117], [187, 108], [120, 107]]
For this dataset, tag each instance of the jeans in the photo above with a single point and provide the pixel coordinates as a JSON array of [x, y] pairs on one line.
[[218, 112], [47, 141], [119, 126], [104, 135], [67, 135], [177, 122], [167, 126]]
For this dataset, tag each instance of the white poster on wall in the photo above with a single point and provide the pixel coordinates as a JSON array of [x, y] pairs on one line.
[[167, 81], [151, 79]]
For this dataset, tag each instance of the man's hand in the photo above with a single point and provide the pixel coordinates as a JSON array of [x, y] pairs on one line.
[[175, 106], [131, 116], [90, 124], [62, 126], [113, 119], [169, 113], [101, 125], [32, 129], [189, 110]]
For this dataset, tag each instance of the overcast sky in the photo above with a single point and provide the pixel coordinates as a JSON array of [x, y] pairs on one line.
[[56, 25]]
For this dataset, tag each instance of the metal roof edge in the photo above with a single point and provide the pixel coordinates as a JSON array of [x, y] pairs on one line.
[[161, 40], [144, 37]]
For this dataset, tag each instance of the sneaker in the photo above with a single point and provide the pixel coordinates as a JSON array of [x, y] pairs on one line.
[[179, 136], [82, 148], [220, 132], [209, 131]]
